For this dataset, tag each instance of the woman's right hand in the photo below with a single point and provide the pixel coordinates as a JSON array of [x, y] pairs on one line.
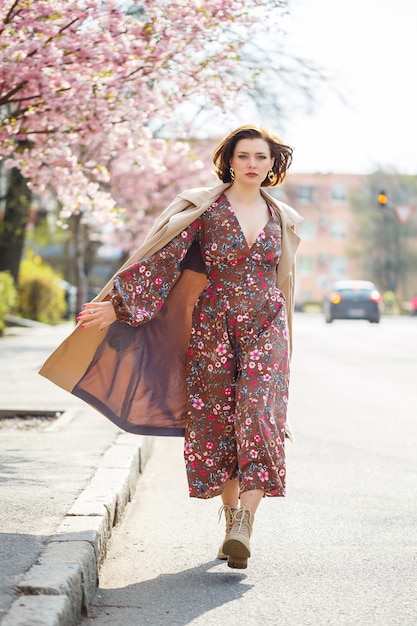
[[97, 313]]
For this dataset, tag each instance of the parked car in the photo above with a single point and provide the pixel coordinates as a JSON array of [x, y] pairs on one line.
[[353, 299]]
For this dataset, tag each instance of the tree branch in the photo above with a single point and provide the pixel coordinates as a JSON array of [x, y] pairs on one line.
[[9, 15], [7, 97]]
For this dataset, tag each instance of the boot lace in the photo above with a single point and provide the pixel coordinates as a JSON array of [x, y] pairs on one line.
[[229, 513], [242, 521]]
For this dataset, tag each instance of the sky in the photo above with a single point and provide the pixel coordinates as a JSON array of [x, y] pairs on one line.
[[370, 49]]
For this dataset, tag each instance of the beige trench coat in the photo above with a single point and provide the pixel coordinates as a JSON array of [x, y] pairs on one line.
[[70, 361]]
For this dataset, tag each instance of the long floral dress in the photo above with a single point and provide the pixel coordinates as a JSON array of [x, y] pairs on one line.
[[237, 369]]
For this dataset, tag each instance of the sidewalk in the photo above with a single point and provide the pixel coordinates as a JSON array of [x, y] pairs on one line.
[[65, 480]]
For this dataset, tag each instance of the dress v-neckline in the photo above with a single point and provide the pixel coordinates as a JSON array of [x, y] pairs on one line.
[[249, 246]]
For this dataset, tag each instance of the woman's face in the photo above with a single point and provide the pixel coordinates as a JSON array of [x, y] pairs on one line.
[[251, 161]]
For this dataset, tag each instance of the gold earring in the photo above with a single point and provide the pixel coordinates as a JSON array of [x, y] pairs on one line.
[[271, 176], [232, 173]]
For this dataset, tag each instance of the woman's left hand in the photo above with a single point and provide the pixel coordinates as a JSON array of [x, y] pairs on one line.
[[97, 314]]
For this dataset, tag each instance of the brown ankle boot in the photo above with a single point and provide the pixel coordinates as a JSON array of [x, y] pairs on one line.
[[236, 545], [229, 512]]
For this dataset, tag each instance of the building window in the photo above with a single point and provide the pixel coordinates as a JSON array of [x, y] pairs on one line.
[[338, 194], [305, 265], [305, 194], [306, 296], [323, 222], [307, 229], [338, 266], [323, 282], [339, 229]]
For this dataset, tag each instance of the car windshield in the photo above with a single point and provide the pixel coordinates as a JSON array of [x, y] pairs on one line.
[[351, 293]]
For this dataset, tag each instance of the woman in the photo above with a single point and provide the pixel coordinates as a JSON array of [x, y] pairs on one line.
[[197, 334]]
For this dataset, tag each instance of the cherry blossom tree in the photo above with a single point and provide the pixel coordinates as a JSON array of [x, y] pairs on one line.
[[83, 80]]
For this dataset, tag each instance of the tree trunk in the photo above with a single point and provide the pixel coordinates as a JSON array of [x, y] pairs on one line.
[[80, 274], [13, 227]]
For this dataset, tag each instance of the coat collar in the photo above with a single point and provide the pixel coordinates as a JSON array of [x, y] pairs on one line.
[[200, 195]]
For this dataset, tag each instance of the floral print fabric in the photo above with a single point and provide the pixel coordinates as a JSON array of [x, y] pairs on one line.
[[237, 363]]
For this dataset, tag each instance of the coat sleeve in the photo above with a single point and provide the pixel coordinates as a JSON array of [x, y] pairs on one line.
[[140, 290]]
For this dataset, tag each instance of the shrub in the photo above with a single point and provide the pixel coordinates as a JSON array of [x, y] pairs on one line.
[[8, 297], [40, 296]]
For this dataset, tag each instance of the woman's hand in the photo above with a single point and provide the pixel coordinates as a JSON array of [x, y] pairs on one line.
[[97, 314]]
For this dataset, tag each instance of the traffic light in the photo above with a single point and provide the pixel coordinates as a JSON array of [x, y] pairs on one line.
[[382, 199]]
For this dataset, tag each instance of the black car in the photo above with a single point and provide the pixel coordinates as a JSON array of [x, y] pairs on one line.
[[353, 299]]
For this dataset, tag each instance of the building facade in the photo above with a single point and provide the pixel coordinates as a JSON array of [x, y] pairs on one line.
[[325, 253]]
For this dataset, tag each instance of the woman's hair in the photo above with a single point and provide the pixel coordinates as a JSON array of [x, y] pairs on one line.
[[279, 151]]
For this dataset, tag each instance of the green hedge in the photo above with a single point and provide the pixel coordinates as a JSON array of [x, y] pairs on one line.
[[8, 298], [40, 296]]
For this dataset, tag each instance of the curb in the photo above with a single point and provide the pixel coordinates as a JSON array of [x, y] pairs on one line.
[[58, 589]]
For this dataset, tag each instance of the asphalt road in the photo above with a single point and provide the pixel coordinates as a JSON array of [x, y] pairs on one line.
[[340, 550]]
